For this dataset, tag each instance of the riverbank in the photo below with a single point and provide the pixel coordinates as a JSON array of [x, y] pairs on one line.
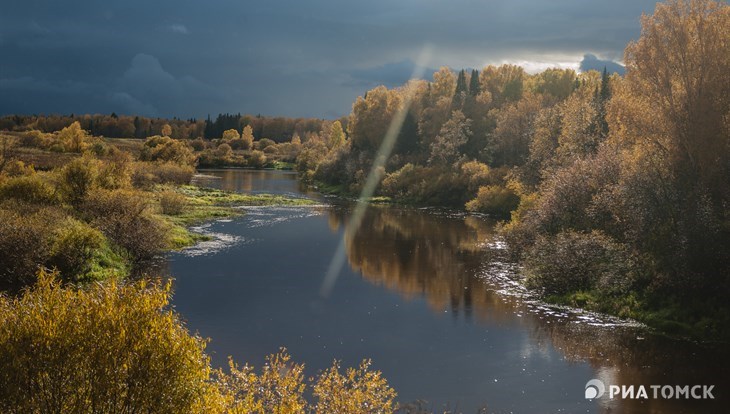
[[204, 204], [698, 320]]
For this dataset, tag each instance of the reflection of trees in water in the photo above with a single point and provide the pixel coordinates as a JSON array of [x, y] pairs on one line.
[[625, 355], [420, 254], [440, 258]]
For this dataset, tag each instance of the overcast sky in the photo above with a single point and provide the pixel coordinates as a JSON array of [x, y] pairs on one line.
[[190, 58]]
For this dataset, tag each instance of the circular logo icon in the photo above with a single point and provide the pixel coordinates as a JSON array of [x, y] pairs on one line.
[[594, 389]]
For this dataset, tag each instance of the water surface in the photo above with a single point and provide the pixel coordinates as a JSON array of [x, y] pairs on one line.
[[426, 294]]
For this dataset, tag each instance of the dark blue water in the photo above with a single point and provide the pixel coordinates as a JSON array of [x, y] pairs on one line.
[[428, 296]]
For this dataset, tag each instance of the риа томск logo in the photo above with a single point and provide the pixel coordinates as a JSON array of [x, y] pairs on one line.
[[595, 388]]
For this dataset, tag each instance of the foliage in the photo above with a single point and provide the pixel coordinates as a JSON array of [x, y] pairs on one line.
[[166, 149], [73, 248], [172, 203], [146, 174], [445, 150], [337, 136], [24, 244], [230, 134], [572, 261], [73, 138], [31, 189], [108, 348], [357, 391], [124, 217], [277, 390], [257, 159], [78, 178], [494, 200], [117, 347]]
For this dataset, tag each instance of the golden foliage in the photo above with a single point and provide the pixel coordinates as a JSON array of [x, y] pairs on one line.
[[109, 348], [358, 391]]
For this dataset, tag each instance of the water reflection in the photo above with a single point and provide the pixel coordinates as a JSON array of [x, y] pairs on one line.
[[251, 181], [421, 254], [445, 258]]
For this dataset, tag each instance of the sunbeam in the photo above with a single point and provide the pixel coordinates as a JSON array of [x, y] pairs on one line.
[[374, 177]]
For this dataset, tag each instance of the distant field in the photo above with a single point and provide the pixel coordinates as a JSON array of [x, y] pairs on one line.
[[45, 160], [132, 145]]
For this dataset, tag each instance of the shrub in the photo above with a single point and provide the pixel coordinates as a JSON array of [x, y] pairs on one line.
[[99, 148], [198, 144], [224, 151], [16, 168], [57, 147], [124, 217], [108, 348], [280, 388], [425, 185], [147, 174], [263, 143], [118, 348], [73, 138], [358, 391], [24, 245], [239, 143], [166, 149], [572, 261], [78, 178], [494, 200], [230, 134], [34, 139], [74, 245], [172, 203], [257, 159], [332, 168], [32, 189], [116, 172], [476, 174]]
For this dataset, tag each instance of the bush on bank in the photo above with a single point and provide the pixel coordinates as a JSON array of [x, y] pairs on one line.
[[117, 347]]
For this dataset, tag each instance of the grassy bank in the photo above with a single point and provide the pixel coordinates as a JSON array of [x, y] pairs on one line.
[[701, 321], [95, 208], [202, 204]]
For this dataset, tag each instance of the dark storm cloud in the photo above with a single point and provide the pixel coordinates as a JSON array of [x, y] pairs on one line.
[[190, 58], [389, 74]]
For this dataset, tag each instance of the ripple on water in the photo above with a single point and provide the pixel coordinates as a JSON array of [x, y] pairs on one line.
[[256, 216], [218, 241], [505, 278], [264, 216]]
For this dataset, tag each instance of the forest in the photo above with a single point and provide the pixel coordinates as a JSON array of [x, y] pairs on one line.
[[614, 190], [613, 194]]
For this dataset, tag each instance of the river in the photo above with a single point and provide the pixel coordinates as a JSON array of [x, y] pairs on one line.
[[428, 296]]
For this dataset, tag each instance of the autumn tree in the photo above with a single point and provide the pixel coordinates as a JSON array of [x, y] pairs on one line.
[[670, 116], [677, 72], [371, 116], [296, 140], [247, 137], [510, 140], [337, 136], [445, 150], [230, 135], [74, 138]]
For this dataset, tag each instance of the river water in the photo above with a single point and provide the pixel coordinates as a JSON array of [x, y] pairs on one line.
[[428, 296]]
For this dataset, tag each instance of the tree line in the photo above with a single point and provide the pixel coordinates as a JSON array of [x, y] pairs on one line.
[[278, 129], [614, 190]]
